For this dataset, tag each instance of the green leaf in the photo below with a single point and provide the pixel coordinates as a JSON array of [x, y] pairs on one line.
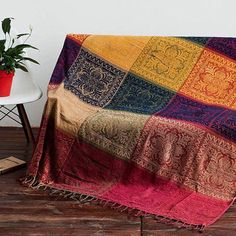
[[11, 52], [2, 45], [21, 35], [23, 46], [13, 41], [19, 66], [13, 57], [6, 25], [29, 59]]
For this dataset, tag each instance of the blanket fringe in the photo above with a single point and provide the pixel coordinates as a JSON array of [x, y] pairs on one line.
[[33, 183]]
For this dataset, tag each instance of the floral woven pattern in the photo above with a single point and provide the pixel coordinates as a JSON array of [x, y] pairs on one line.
[[146, 124]]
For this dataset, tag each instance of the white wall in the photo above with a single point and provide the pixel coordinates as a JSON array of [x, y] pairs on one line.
[[53, 19]]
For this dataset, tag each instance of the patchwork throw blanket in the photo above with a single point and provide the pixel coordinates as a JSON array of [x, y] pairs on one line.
[[142, 124]]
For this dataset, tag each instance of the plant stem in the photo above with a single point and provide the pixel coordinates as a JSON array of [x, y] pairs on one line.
[[28, 36], [9, 44]]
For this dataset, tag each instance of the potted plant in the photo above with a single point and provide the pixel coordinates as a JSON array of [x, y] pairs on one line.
[[12, 56]]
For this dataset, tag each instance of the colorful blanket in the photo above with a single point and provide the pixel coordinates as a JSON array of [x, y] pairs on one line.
[[142, 124]]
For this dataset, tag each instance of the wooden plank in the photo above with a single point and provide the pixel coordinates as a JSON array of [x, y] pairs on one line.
[[73, 230], [226, 226]]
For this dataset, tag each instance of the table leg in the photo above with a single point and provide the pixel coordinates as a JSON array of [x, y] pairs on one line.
[[25, 123]]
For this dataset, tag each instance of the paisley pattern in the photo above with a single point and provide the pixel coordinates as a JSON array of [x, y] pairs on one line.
[[69, 120], [136, 95], [145, 122], [121, 51], [217, 167], [213, 80], [167, 61], [65, 61], [225, 125], [93, 80], [225, 46], [181, 152], [113, 131], [79, 38], [199, 40], [186, 109], [169, 148]]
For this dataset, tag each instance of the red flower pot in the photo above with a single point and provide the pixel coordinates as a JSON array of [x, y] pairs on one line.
[[5, 83]]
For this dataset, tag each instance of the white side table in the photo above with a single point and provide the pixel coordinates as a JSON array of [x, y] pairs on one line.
[[23, 90]]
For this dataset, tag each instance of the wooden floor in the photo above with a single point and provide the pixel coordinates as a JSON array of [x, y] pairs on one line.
[[27, 212]]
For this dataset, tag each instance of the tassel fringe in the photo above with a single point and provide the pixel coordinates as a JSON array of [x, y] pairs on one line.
[[32, 182]]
